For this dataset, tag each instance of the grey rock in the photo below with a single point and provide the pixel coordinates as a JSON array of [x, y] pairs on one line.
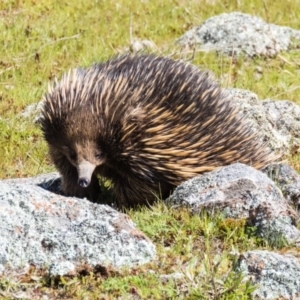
[[276, 275], [284, 117], [239, 191], [236, 33], [287, 179], [63, 267], [33, 112], [63, 234], [277, 121], [50, 182]]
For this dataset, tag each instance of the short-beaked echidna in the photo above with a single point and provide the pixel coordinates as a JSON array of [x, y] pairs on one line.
[[147, 123]]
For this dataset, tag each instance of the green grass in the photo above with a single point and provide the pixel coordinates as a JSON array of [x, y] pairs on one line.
[[42, 39]]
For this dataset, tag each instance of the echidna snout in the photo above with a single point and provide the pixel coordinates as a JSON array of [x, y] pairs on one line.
[[85, 171]]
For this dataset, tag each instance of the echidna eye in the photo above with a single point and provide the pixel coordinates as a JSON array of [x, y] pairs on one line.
[[72, 154], [98, 155]]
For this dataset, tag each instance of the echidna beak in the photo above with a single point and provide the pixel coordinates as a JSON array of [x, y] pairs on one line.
[[85, 171]]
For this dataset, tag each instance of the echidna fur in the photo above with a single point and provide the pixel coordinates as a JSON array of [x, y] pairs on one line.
[[145, 122]]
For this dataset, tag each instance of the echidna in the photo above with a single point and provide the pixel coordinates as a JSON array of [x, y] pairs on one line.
[[147, 123]]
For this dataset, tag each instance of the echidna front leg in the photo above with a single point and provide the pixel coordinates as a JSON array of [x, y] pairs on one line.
[[134, 193], [69, 176]]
